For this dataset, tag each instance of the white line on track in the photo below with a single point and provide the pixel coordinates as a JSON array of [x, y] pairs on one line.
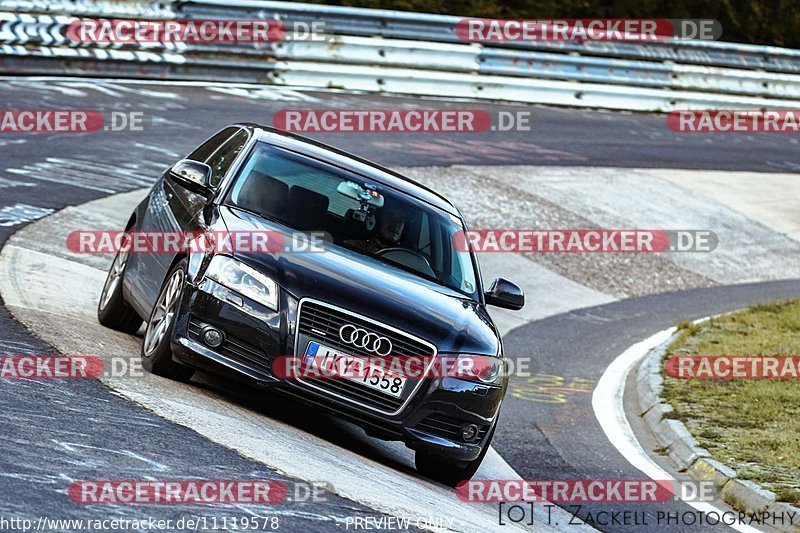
[[607, 402]]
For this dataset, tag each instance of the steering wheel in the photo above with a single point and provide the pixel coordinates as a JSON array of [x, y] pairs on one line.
[[418, 261]]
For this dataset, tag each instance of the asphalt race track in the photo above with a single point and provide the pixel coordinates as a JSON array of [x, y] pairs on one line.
[[61, 433]]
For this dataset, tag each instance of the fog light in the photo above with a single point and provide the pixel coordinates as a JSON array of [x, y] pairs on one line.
[[213, 337], [469, 432]]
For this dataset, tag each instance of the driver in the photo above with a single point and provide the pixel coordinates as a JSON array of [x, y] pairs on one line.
[[390, 230]]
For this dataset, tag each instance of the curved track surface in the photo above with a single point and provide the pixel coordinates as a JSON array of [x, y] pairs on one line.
[[549, 430]]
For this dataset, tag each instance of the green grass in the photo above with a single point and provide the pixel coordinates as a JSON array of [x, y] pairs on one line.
[[753, 425]]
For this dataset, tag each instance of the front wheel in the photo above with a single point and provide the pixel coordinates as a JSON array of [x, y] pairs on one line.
[[112, 309], [450, 473], [156, 350]]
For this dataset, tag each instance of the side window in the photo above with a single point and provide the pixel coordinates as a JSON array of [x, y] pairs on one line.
[[438, 245], [222, 159], [204, 151], [424, 241]]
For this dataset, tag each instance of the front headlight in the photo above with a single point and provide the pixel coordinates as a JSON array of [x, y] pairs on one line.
[[243, 279], [480, 368]]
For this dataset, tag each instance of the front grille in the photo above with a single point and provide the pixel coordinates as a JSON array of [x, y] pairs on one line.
[[234, 348], [322, 322], [447, 427]]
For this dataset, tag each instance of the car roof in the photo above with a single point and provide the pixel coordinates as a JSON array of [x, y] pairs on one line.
[[341, 158]]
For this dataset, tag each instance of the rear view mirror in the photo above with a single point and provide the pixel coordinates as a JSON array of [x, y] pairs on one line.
[[364, 195], [505, 294], [193, 173]]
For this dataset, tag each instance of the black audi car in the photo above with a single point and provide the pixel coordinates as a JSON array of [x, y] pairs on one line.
[[386, 280]]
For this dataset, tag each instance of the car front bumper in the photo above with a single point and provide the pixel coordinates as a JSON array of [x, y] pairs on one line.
[[254, 336]]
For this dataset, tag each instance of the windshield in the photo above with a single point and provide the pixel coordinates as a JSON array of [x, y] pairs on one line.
[[358, 214]]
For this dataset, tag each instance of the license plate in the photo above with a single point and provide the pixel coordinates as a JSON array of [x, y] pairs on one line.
[[355, 369]]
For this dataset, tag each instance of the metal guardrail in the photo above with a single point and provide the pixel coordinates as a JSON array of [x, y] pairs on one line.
[[441, 28], [417, 54], [93, 8]]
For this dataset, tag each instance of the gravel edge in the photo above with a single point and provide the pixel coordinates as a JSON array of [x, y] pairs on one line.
[[682, 448]]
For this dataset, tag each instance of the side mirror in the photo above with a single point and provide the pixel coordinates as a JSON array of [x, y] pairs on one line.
[[505, 294], [193, 173]]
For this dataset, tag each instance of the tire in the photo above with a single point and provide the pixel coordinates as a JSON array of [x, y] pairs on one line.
[[450, 473], [156, 350], [112, 309]]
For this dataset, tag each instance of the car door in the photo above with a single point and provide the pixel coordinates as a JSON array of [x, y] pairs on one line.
[[166, 211]]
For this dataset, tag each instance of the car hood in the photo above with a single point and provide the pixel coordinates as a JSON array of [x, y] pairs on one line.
[[452, 322]]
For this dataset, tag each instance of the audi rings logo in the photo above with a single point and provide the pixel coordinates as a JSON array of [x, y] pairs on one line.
[[361, 338]]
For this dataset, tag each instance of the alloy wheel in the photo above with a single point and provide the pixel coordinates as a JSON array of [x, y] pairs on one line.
[[164, 313]]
